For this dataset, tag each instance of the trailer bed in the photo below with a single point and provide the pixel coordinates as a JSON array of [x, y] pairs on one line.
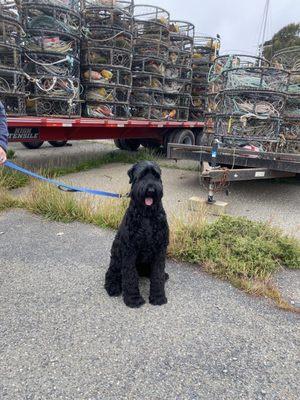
[[243, 158]]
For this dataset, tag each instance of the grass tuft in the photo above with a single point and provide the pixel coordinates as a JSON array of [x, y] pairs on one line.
[[12, 179], [7, 201]]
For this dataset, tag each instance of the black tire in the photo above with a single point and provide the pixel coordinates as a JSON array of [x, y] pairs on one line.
[[58, 143], [151, 144], [169, 138], [184, 136], [127, 144], [199, 137], [36, 144]]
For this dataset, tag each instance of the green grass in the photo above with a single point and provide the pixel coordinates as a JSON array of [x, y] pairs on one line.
[[7, 201]]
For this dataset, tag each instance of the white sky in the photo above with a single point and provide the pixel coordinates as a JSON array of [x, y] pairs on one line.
[[237, 21]]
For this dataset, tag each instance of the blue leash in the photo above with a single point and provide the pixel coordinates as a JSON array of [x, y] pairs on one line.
[[60, 185]]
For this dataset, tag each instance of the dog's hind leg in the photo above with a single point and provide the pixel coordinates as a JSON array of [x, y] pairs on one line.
[[157, 282]]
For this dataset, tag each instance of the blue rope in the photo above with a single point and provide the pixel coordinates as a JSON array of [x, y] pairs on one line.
[[60, 185]]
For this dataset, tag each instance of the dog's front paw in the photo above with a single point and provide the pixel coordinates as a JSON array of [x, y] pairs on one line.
[[158, 300], [113, 289], [134, 301]]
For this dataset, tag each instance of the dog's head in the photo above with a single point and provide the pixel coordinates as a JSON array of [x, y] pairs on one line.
[[146, 184]]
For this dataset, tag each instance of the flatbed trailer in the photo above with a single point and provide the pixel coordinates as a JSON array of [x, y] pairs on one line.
[[221, 165], [30, 129]]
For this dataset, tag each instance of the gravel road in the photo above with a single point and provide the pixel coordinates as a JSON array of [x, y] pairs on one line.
[[62, 337]]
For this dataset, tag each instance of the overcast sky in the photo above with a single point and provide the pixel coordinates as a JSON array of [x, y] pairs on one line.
[[237, 21]]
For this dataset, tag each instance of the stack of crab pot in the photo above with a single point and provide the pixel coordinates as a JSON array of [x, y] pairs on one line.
[[12, 83], [289, 59], [248, 106], [205, 51], [107, 57], [150, 56], [178, 73], [51, 57]]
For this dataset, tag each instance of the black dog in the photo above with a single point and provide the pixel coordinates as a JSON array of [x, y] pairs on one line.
[[140, 246]]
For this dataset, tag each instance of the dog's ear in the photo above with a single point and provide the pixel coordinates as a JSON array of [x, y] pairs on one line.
[[156, 169], [131, 173]]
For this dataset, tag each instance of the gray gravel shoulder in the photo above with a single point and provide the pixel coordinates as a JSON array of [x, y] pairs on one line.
[[62, 337]]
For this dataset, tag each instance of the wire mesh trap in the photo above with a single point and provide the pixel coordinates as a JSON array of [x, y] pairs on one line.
[[249, 129], [51, 107], [234, 61], [257, 78], [249, 104], [288, 59], [12, 92], [9, 8]]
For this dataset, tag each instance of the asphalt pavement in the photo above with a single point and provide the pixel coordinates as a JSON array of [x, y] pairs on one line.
[[62, 337]]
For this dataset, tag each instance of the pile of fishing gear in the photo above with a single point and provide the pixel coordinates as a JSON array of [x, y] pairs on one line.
[[106, 58], [12, 83], [52, 57]]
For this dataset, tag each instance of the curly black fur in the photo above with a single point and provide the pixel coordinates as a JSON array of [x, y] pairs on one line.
[[140, 246]]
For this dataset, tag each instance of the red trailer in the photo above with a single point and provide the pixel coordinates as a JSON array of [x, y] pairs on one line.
[[128, 134]]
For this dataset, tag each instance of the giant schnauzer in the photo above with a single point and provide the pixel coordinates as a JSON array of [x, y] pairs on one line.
[[140, 246]]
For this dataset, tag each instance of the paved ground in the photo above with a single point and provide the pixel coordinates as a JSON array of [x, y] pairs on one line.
[[277, 202], [61, 337]]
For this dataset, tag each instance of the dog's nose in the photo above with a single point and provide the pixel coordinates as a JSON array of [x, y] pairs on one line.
[[151, 191]]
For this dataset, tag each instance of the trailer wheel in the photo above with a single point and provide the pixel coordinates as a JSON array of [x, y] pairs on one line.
[[36, 144], [184, 136], [127, 144], [58, 143], [199, 137], [169, 138], [151, 144]]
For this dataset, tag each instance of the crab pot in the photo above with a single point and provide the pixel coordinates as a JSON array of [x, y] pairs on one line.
[[146, 112], [104, 94], [10, 31], [292, 109], [256, 78], [53, 107], [177, 86], [205, 49], [109, 38], [68, 4], [50, 17], [55, 87], [197, 108], [233, 61], [41, 41], [14, 104], [176, 114], [146, 66], [146, 97], [115, 5], [288, 58], [95, 56], [10, 57], [101, 18], [9, 9], [249, 129], [262, 104], [40, 64], [12, 82], [182, 35], [150, 48], [106, 75], [106, 111]]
